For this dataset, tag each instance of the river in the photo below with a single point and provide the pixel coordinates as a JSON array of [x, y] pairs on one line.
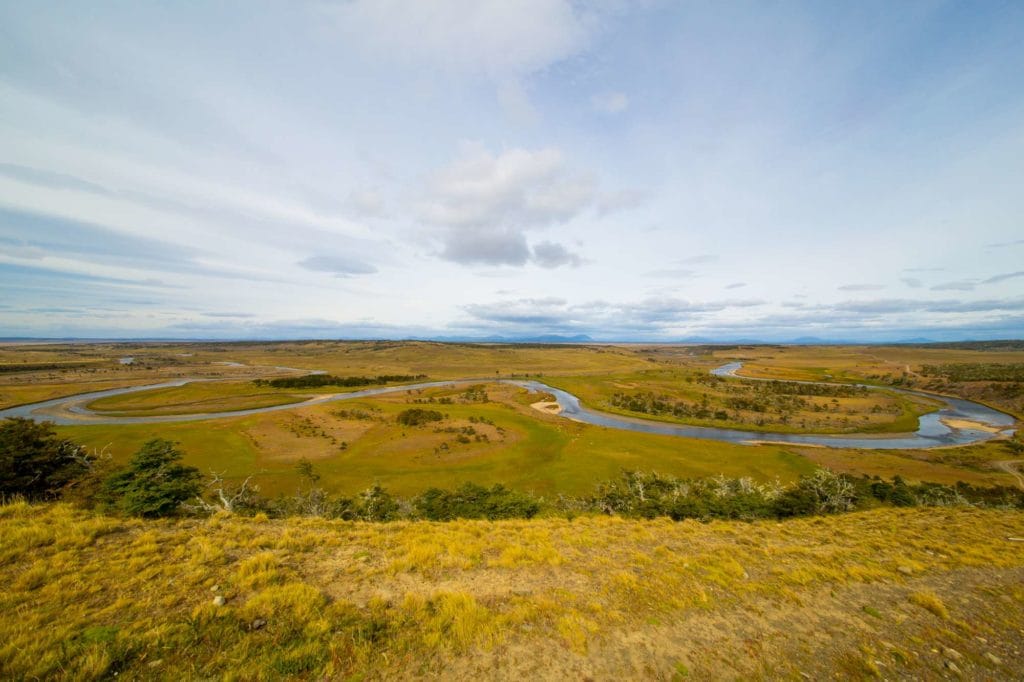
[[932, 430]]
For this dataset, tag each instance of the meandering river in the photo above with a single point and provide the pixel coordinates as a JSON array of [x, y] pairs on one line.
[[932, 431]]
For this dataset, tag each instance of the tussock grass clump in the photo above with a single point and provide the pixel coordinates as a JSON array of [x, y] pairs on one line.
[[930, 602]]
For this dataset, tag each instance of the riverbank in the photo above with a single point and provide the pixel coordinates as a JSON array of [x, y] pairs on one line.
[[931, 432]]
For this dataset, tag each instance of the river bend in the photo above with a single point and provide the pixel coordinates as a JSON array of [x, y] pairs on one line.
[[932, 431]]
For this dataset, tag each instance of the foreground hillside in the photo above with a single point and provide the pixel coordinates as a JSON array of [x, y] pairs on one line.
[[921, 593]]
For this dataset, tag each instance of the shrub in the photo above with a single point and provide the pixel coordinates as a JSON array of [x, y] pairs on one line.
[[829, 491], [34, 462], [154, 484], [318, 380], [377, 504], [475, 502], [416, 416]]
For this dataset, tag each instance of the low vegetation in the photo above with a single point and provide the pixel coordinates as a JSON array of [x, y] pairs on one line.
[[321, 380], [416, 416], [983, 371], [35, 463], [702, 399], [155, 484], [901, 590]]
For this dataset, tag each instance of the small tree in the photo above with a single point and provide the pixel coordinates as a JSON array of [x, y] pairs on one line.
[[154, 484], [376, 504], [34, 462], [305, 469]]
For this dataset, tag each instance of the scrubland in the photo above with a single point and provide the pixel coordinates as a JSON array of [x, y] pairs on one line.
[[918, 593]]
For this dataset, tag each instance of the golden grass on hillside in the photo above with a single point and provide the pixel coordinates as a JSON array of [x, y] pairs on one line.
[[90, 595]]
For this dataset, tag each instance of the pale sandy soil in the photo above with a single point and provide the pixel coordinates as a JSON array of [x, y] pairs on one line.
[[969, 424], [548, 406]]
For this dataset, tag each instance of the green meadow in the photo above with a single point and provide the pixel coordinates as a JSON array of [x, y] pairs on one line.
[[525, 448], [354, 444]]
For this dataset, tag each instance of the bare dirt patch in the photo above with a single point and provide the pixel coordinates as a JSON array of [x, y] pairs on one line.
[[547, 406], [971, 425]]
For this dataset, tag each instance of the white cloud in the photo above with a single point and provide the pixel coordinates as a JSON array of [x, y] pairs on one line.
[[496, 246], [366, 203], [552, 255], [610, 102], [958, 285], [340, 266], [516, 104], [527, 188], [485, 203], [492, 37], [620, 200], [860, 287]]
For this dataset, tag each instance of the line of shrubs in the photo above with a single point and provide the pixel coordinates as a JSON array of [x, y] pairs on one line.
[[37, 465], [319, 380]]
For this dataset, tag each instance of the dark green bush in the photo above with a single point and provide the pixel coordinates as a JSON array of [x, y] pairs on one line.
[[154, 484], [471, 501], [416, 416], [34, 462], [318, 380]]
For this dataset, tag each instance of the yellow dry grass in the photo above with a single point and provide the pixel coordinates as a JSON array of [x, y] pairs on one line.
[[89, 596]]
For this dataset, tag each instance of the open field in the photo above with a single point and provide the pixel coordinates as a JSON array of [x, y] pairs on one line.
[[357, 443], [523, 448], [195, 398], [885, 593]]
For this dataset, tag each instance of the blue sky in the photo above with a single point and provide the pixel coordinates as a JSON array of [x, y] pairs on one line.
[[628, 171]]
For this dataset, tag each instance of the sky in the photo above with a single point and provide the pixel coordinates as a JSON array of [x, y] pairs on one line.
[[624, 171]]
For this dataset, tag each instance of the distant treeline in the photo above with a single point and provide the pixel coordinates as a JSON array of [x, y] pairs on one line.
[[37, 465], [318, 380]]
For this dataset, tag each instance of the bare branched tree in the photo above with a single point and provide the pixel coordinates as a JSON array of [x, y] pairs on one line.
[[89, 460], [226, 496]]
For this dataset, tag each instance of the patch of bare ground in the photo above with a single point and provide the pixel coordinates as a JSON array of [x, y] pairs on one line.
[[971, 425], [548, 406]]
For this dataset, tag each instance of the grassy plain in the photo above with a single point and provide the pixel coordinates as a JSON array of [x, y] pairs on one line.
[[532, 451], [524, 449], [199, 397], [885, 593]]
